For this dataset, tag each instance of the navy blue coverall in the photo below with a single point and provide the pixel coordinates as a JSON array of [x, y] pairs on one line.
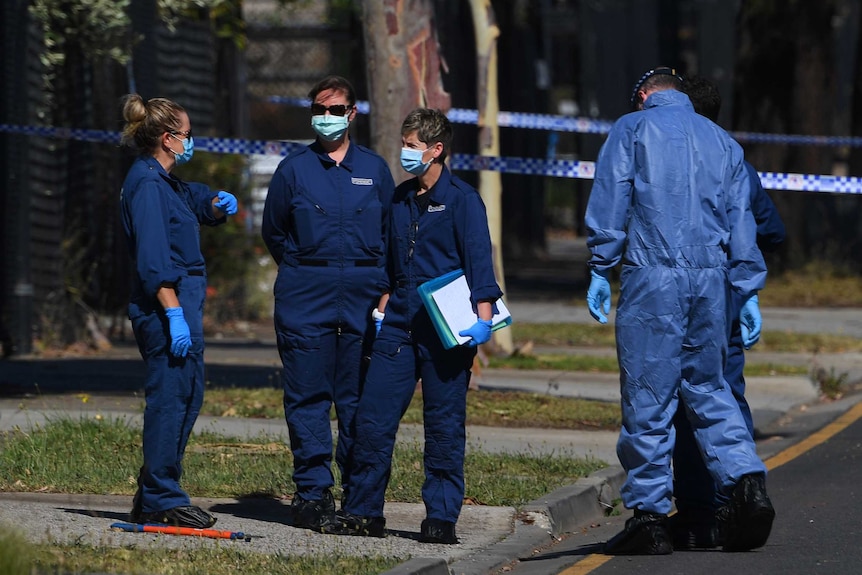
[[325, 226], [450, 233], [693, 486], [161, 217], [683, 230]]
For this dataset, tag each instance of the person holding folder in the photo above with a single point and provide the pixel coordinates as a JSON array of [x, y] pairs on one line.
[[437, 225]]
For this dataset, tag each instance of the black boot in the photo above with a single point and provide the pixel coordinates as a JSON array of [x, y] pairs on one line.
[[694, 527], [438, 531], [747, 520], [183, 516], [351, 524], [644, 534], [315, 514], [137, 500]]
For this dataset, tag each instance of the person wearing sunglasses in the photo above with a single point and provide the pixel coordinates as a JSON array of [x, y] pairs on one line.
[[161, 217], [324, 223]]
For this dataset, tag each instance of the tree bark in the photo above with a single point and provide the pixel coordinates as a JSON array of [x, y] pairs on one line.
[[403, 70], [486, 33]]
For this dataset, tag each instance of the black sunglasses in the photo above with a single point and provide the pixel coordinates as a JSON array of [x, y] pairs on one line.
[[335, 110]]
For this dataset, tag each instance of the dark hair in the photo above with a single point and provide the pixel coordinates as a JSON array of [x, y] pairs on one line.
[[431, 126], [147, 121], [704, 96], [661, 77], [336, 83]]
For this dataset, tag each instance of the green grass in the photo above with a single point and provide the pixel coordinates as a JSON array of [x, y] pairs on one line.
[[226, 560], [16, 553], [567, 334], [492, 408], [108, 454]]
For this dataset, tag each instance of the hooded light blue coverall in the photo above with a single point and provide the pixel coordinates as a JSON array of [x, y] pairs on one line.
[[325, 226], [693, 486], [450, 234], [670, 202], [161, 217]]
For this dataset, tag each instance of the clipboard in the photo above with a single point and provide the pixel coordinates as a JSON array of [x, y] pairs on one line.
[[447, 299]]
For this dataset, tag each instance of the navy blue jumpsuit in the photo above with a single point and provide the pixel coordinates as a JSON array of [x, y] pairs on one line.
[[450, 233], [683, 229], [161, 217], [693, 486], [325, 226]]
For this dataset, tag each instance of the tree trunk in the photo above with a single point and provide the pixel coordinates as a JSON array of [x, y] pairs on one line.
[[486, 33], [403, 70]]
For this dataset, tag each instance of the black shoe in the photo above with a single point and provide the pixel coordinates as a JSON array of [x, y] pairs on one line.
[[645, 534], [694, 529], [747, 520], [184, 516], [438, 531], [350, 524], [315, 514]]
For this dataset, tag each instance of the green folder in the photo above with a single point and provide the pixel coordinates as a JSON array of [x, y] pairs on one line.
[[447, 299]]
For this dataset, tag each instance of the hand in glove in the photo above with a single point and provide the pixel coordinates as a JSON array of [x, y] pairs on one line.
[[378, 320], [181, 338], [479, 331], [599, 296], [226, 203], [750, 322]]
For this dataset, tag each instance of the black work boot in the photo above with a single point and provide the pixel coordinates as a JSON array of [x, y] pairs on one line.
[[137, 500], [183, 516], [438, 531], [694, 528], [315, 514], [644, 534], [747, 520], [350, 524]]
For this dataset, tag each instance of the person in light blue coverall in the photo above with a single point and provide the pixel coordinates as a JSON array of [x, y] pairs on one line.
[[438, 225], [695, 525], [161, 217], [324, 223], [670, 203]]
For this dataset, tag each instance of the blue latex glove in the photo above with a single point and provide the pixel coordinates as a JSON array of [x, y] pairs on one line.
[[599, 296], [226, 203], [378, 320], [479, 331], [181, 338], [750, 322]]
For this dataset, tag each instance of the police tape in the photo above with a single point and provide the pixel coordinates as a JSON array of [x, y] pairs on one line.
[[581, 125], [577, 169]]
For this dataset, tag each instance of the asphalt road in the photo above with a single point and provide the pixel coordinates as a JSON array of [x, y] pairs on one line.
[[818, 500]]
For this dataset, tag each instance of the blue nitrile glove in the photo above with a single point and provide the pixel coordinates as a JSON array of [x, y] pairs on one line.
[[181, 338], [479, 331], [378, 320], [750, 322], [599, 296], [226, 203]]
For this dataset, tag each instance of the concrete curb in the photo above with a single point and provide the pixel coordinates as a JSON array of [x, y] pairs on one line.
[[420, 566], [545, 519]]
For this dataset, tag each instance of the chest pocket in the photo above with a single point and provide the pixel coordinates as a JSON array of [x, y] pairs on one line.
[[368, 215], [310, 220]]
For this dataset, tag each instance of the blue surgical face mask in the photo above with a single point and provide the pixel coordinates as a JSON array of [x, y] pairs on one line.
[[188, 150], [411, 161], [329, 127]]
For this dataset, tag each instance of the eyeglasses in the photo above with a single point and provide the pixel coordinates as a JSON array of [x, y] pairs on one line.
[[335, 109], [185, 135]]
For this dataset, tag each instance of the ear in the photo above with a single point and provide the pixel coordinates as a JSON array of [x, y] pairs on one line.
[[438, 149], [352, 113]]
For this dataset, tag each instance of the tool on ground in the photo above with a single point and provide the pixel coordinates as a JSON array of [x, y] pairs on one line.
[[174, 530]]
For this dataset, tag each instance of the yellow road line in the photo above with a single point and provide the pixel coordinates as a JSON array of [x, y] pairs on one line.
[[816, 439], [590, 562], [587, 564]]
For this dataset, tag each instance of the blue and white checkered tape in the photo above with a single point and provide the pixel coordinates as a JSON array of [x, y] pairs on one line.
[[469, 162], [581, 125]]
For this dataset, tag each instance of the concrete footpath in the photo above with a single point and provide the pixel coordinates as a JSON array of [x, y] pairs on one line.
[[36, 390]]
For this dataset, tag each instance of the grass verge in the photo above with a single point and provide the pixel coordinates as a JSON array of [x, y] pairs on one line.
[[225, 560], [107, 454], [494, 408]]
